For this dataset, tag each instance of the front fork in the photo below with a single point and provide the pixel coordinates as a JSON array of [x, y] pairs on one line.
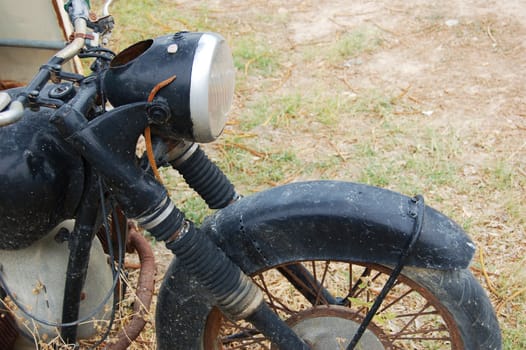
[[235, 294], [108, 144]]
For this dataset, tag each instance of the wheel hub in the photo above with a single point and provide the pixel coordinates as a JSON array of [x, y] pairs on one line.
[[333, 328]]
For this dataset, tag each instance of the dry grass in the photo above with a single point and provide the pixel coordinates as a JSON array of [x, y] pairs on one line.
[[387, 95], [384, 94]]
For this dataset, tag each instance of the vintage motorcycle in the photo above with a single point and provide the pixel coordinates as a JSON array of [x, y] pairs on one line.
[[309, 265]]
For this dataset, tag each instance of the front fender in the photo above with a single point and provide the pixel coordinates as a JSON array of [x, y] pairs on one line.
[[311, 220], [366, 223]]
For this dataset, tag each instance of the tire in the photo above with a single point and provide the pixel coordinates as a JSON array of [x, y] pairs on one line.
[[426, 309], [345, 235]]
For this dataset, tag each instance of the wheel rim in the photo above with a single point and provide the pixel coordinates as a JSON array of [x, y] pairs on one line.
[[410, 317]]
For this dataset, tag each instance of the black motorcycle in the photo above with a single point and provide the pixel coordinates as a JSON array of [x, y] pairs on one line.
[[309, 265]]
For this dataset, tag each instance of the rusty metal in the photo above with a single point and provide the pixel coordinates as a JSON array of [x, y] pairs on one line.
[[144, 293], [10, 84]]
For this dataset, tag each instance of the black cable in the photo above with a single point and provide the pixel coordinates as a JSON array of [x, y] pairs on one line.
[[110, 252], [101, 49], [418, 215], [94, 55]]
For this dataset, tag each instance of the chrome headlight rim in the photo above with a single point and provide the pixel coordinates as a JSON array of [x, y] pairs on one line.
[[209, 104]]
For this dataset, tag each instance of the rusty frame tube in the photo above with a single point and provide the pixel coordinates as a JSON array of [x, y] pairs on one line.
[[144, 291]]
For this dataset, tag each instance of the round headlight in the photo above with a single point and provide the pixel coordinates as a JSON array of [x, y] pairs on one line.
[[211, 87], [200, 96]]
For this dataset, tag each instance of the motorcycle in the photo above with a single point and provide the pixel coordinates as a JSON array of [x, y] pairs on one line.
[[307, 265]]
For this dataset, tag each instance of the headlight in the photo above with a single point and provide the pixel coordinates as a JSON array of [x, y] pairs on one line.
[[201, 95], [211, 87]]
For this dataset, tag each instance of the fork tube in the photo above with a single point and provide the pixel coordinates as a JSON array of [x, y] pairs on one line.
[[236, 295], [307, 285], [204, 176], [79, 254]]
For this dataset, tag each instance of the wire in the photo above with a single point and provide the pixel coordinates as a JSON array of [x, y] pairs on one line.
[[149, 153], [100, 49], [94, 55], [147, 131], [110, 252]]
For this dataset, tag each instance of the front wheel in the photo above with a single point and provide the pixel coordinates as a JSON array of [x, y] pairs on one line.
[[325, 302]]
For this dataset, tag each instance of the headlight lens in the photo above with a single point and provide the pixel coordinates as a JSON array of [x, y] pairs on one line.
[[211, 87]]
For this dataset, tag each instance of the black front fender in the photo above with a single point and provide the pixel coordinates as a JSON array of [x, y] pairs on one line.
[[322, 220], [349, 220]]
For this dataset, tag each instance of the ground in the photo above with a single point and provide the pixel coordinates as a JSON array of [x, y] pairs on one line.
[[414, 96], [440, 84]]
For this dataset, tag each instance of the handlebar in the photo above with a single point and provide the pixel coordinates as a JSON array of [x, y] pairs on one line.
[[77, 44]]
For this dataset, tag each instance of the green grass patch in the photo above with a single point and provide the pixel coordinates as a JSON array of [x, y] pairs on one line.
[[252, 168], [273, 111], [354, 43], [140, 20], [253, 55]]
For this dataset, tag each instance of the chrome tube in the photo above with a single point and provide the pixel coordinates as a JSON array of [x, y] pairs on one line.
[[34, 44], [106, 10], [77, 44]]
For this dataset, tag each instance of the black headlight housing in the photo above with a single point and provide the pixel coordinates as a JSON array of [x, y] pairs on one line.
[[201, 95]]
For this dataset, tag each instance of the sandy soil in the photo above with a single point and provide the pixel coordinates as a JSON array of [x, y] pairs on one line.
[[460, 63]]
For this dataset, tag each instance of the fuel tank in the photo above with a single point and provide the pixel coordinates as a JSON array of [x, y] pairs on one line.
[[41, 179]]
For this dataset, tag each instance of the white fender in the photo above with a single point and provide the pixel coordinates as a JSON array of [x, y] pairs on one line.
[[36, 276]]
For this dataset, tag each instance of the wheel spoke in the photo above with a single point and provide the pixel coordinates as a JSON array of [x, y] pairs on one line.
[[397, 300], [357, 288], [409, 319], [403, 332], [262, 285], [275, 303], [421, 331], [322, 282]]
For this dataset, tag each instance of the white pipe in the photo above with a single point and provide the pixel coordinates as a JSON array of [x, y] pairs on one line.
[[106, 10], [13, 114], [35, 44], [77, 44], [5, 98]]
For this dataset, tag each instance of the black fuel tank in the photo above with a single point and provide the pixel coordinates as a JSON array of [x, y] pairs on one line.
[[41, 179]]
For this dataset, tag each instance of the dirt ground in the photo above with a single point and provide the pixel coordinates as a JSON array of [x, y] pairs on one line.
[[460, 63], [457, 65], [463, 61]]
